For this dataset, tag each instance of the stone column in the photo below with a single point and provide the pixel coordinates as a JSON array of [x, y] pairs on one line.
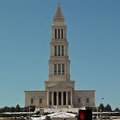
[[57, 33], [52, 98], [48, 98], [66, 97], [60, 34], [61, 97], [57, 97], [60, 50], [71, 98]]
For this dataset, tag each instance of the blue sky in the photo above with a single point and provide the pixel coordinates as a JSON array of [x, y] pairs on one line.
[[93, 33]]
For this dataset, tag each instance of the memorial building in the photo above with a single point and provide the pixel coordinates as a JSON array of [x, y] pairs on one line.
[[59, 89]]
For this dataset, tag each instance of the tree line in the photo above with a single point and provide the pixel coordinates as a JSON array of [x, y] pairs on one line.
[[107, 108], [100, 108], [17, 109]]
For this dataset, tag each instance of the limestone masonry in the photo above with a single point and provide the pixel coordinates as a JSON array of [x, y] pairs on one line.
[[59, 89]]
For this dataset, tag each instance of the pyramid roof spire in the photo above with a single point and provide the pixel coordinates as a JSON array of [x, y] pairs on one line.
[[58, 13], [58, 17]]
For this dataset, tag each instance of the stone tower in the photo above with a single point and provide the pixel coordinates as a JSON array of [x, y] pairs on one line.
[[59, 87]]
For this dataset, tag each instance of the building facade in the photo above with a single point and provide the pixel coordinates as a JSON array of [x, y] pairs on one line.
[[59, 89]]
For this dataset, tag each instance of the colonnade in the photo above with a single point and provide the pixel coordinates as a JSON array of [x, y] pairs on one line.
[[59, 98]]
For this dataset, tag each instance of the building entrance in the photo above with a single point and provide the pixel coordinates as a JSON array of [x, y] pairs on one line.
[[59, 98]]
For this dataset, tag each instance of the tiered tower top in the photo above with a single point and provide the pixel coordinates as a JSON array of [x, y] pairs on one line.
[[58, 18], [59, 63]]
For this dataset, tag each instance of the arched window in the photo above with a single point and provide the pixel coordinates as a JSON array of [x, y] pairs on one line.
[[58, 50], [63, 69], [61, 33], [59, 69], [55, 69], [58, 33], [55, 50], [55, 33], [62, 50]]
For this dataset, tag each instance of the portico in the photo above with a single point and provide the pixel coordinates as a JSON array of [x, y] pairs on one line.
[[57, 98]]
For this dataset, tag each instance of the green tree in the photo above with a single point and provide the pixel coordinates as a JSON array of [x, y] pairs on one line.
[[101, 107], [12, 109], [117, 109], [17, 109], [4, 109], [108, 108]]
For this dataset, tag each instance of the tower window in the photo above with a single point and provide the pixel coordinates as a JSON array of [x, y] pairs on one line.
[[32, 100], [40, 100], [87, 100], [61, 33], [55, 69], [58, 33], [59, 70], [55, 50], [79, 100], [58, 50], [63, 69], [55, 33], [62, 50]]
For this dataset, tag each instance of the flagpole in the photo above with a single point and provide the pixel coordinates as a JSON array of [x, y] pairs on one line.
[[103, 101]]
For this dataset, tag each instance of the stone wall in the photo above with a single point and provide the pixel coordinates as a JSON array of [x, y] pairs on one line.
[[83, 95], [36, 96]]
